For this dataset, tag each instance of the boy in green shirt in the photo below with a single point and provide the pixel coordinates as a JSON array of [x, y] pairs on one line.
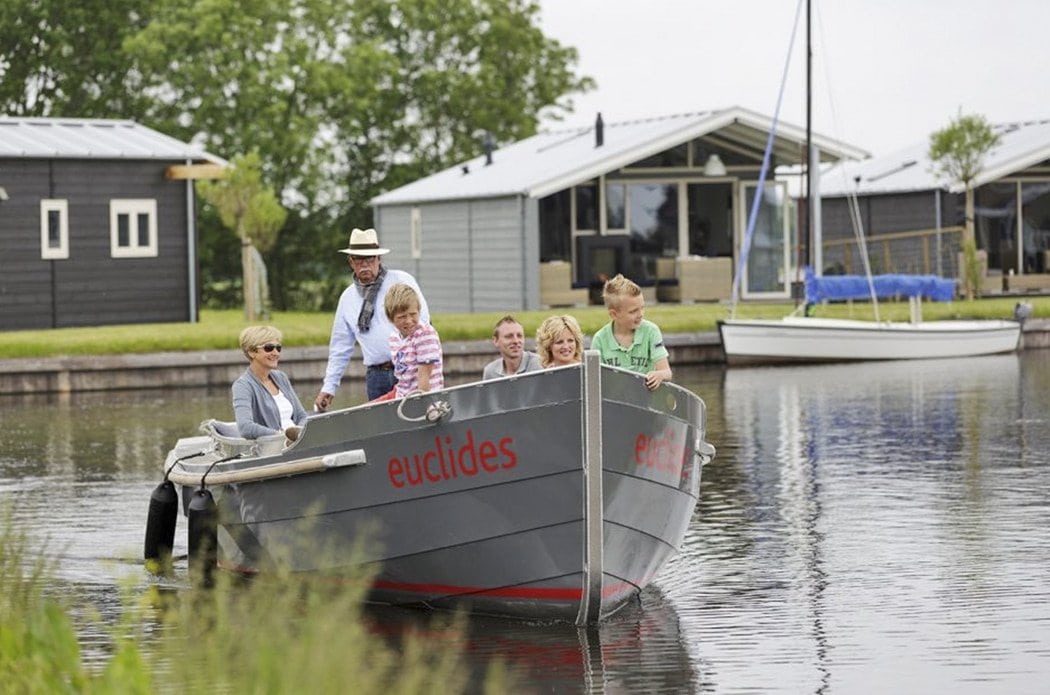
[[629, 340]]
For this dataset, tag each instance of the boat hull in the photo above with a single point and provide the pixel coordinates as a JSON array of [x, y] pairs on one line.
[[805, 339], [493, 508]]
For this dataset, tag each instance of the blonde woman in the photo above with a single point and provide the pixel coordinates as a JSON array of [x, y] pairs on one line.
[[559, 341], [264, 401]]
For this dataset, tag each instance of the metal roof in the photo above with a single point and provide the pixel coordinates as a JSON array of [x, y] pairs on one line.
[[552, 161], [91, 138], [1021, 145]]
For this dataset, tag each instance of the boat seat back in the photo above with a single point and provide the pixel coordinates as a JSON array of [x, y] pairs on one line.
[[229, 442]]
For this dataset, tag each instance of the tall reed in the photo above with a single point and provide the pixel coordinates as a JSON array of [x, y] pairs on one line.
[[277, 633]]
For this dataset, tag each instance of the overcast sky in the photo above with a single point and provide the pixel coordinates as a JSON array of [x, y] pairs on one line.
[[886, 73]]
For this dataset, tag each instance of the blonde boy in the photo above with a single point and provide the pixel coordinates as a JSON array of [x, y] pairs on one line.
[[415, 345], [629, 340]]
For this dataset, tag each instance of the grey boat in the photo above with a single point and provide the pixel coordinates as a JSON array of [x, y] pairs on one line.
[[556, 494]]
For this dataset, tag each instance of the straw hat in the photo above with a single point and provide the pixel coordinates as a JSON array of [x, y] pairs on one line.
[[364, 242]]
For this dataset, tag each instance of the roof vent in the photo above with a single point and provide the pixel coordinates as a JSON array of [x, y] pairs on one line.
[[599, 131], [489, 144]]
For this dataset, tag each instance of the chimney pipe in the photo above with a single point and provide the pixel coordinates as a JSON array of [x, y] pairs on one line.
[[599, 131], [489, 144]]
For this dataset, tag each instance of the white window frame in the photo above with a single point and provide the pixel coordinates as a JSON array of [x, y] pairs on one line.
[[48, 252], [133, 207]]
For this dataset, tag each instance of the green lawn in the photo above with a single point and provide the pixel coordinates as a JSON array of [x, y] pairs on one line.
[[218, 329]]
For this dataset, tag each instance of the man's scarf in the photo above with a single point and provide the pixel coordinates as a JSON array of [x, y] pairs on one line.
[[369, 292]]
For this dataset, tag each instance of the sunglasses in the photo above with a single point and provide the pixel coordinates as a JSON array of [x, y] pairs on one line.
[[270, 347]]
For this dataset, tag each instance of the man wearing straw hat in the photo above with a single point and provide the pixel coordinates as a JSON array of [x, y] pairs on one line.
[[360, 318]]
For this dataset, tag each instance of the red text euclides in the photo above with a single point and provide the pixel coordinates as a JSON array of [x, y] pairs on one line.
[[447, 459]]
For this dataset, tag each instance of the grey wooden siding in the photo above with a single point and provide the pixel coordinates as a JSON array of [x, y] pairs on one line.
[[25, 280], [477, 256], [90, 287]]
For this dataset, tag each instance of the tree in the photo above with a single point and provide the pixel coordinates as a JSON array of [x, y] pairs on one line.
[[343, 100], [61, 58], [249, 208], [957, 153]]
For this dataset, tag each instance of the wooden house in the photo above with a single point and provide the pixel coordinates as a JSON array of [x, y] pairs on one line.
[[543, 221], [913, 220], [97, 223]]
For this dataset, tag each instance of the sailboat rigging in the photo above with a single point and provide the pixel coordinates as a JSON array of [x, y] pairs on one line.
[[801, 338]]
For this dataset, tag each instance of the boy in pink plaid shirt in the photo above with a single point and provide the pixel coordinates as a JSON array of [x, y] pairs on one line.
[[415, 345]]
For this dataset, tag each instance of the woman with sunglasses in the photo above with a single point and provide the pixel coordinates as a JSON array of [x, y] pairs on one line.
[[264, 401]]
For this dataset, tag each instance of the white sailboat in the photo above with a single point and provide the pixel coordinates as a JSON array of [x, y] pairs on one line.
[[809, 339], [801, 338]]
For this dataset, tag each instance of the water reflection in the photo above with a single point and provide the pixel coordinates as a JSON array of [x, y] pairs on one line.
[[640, 649], [861, 517], [881, 527]]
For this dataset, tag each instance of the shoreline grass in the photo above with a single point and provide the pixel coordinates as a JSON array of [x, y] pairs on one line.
[[218, 329], [278, 633]]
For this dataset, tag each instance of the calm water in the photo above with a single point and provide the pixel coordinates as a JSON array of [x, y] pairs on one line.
[[883, 528]]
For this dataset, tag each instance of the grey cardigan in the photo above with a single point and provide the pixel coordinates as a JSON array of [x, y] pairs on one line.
[[255, 409]]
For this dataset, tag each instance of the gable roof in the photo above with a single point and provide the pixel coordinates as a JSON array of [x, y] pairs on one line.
[[552, 161], [1021, 145], [91, 138]]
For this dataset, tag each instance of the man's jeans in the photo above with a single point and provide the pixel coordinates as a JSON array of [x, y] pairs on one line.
[[379, 381]]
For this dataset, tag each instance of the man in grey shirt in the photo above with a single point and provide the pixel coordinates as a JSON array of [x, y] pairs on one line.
[[509, 339]]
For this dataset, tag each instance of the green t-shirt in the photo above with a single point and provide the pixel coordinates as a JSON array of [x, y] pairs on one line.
[[646, 350]]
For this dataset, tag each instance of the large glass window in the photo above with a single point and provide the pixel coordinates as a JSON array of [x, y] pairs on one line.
[[675, 157], [555, 227], [702, 150], [653, 211], [615, 206], [54, 229], [587, 206], [767, 268], [710, 219], [133, 228], [995, 224], [1035, 227]]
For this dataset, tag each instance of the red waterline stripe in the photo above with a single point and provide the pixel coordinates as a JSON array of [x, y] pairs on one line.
[[550, 593], [563, 594]]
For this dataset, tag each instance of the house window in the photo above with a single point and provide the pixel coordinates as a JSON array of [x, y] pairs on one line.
[[556, 227], [653, 218], [133, 228], [674, 157], [587, 206], [615, 206], [54, 229]]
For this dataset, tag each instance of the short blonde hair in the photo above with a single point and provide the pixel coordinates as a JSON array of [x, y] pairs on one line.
[[548, 332], [400, 297], [506, 319], [254, 336], [618, 287]]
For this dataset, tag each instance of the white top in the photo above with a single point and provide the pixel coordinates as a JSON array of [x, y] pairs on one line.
[[284, 407]]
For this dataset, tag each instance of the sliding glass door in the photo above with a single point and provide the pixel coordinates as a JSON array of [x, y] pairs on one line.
[[768, 271]]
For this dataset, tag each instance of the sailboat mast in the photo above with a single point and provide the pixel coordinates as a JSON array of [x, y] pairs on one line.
[[804, 251]]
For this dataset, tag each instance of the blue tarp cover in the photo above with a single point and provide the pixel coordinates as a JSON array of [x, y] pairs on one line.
[[837, 287]]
